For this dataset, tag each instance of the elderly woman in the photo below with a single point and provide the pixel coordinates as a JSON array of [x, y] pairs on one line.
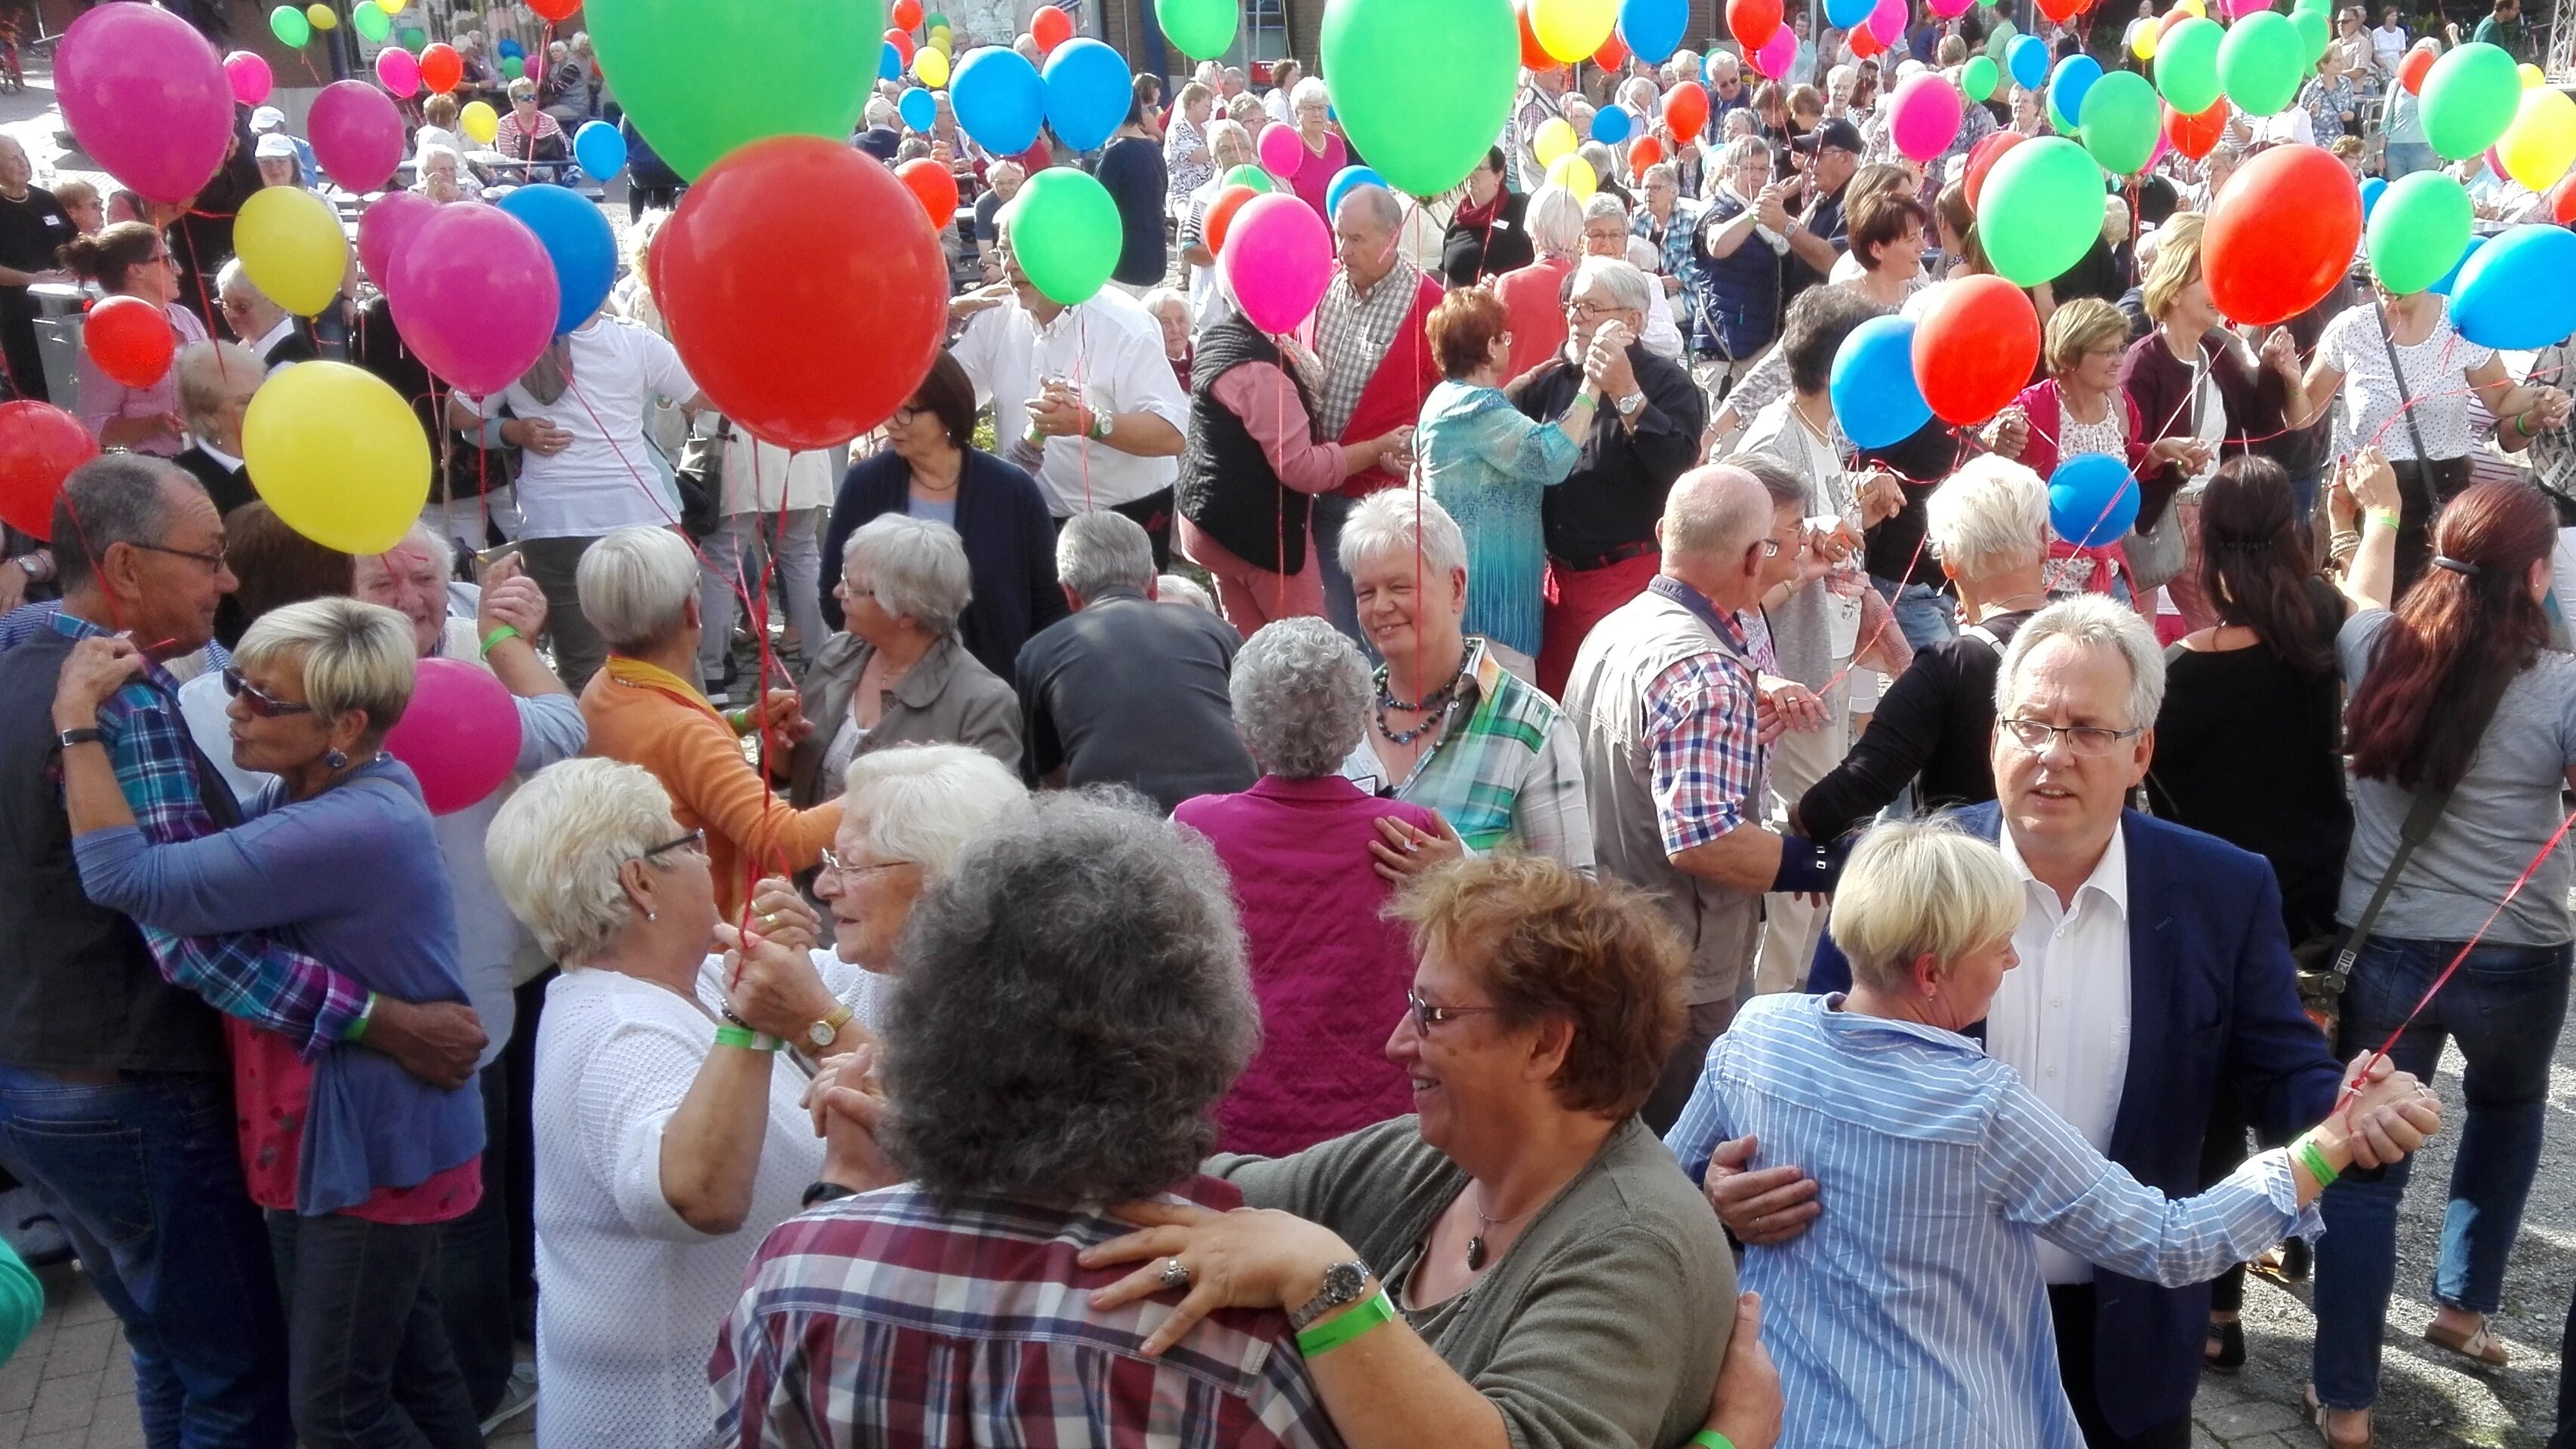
[[1665, 223], [1606, 233], [1534, 295], [1327, 967], [908, 812], [1519, 1264], [639, 586], [1486, 236], [1321, 152], [1738, 242], [444, 177], [930, 468], [1487, 463], [669, 1130], [1450, 729], [898, 675], [1185, 146], [528, 134], [1947, 1172], [1171, 308], [356, 1161], [130, 259]]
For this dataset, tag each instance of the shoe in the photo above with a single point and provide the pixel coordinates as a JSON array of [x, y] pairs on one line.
[[2225, 1352], [2477, 1345], [2317, 1416], [2286, 1264], [29, 1226], [517, 1398]]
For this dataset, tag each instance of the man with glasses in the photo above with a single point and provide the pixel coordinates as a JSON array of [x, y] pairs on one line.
[[275, 335], [2154, 972], [1815, 236]]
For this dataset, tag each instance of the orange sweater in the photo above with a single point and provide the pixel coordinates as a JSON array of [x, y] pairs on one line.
[[662, 724]]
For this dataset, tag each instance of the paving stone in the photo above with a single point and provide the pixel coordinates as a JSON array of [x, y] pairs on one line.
[[82, 1348], [64, 1403], [2234, 1422]]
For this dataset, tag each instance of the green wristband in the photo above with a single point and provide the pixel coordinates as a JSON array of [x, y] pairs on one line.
[[1340, 1329], [2313, 1158], [500, 634], [2387, 516], [1711, 1439], [357, 1030], [744, 1037]]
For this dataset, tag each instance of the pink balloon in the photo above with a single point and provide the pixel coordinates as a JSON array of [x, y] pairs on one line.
[[250, 77], [1924, 115], [1282, 152], [398, 71], [1951, 9], [1776, 53], [475, 296], [459, 734], [1279, 258], [357, 134], [386, 227], [147, 98], [2239, 9], [1887, 22], [534, 67]]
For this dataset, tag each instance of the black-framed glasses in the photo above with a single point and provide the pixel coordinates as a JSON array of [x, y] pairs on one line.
[[2095, 740], [695, 843], [1427, 1016], [259, 701], [213, 561]]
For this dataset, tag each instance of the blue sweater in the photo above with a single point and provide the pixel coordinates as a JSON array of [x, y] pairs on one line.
[[352, 877], [1010, 548]]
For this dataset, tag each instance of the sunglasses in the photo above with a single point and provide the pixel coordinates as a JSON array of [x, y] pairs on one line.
[[257, 700]]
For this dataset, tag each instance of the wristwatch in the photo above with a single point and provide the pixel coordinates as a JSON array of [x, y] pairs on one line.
[[86, 736], [1632, 404], [1344, 1283], [1103, 423], [821, 1034]]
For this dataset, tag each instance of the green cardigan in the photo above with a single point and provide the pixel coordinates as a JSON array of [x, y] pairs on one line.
[[22, 1301]]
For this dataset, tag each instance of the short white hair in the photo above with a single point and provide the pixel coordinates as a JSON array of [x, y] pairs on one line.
[[355, 656], [2094, 621], [1988, 518], [1920, 888], [1161, 297], [1102, 550], [635, 585], [1184, 590], [993, 173], [914, 568], [1605, 203], [1226, 128], [232, 276], [1309, 90], [883, 112], [557, 846], [1400, 520], [1620, 278], [1555, 221], [923, 803], [209, 374]]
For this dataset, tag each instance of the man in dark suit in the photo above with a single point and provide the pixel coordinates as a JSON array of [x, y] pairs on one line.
[[216, 381], [2154, 968], [273, 334]]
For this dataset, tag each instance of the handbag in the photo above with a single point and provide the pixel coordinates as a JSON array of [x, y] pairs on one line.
[[2156, 554], [699, 480]]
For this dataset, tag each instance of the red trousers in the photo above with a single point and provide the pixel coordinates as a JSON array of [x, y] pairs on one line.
[[1579, 599]]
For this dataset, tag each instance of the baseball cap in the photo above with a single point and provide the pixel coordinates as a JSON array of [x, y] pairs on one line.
[[275, 147], [1839, 134], [267, 118]]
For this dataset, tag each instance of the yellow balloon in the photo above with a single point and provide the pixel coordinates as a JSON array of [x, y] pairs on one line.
[[480, 121], [2192, 8], [2531, 74], [291, 244], [930, 66], [1554, 137], [1572, 30], [322, 16], [392, 7], [1574, 174], [2142, 44], [938, 41], [338, 454], [2541, 143]]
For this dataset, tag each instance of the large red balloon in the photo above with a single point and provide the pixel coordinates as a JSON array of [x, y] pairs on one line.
[[1752, 21], [40, 445], [441, 68], [130, 340], [1050, 27], [1643, 152], [818, 353], [1534, 56], [2196, 136], [557, 11], [937, 189], [2282, 234], [1220, 215], [1983, 156], [1686, 109], [1974, 347], [906, 14]]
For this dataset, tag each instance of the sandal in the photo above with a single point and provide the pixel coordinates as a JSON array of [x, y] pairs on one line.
[[2225, 1351], [2317, 1415], [2286, 1264], [2477, 1345]]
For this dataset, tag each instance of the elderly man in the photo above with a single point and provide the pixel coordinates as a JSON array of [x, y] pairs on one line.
[[1127, 691], [1816, 235], [278, 166], [216, 381], [275, 336], [33, 227], [1606, 234], [1231, 146], [1600, 521], [1082, 397], [2154, 972], [1541, 101], [1726, 88], [114, 1092]]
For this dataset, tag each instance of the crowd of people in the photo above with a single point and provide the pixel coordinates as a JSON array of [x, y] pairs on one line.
[[1473, 873]]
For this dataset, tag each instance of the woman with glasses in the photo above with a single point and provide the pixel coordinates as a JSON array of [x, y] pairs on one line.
[[1737, 243], [669, 1135], [1487, 235], [130, 259]]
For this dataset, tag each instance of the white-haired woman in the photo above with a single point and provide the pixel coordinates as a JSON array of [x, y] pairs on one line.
[[1329, 969], [907, 814], [1321, 152], [1606, 234], [669, 1128], [899, 674], [1947, 1172], [356, 1161], [1185, 147], [1534, 295], [639, 587]]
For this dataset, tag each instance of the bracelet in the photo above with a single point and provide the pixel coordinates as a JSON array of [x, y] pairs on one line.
[[740, 719], [1711, 1439], [2313, 1158], [357, 1030], [1340, 1329], [744, 1037], [1583, 398], [2522, 424], [2386, 516], [499, 635]]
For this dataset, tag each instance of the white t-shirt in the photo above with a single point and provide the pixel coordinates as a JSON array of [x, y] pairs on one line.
[[607, 478], [2368, 402], [2388, 43], [1111, 349]]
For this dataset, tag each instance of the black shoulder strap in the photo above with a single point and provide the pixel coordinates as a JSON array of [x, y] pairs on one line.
[[2405, 395], [2421, 816]]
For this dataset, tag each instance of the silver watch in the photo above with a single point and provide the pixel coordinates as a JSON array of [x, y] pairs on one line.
[[1633, 404], [1344, 1283]]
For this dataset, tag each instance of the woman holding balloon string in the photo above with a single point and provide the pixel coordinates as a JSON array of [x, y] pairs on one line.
[[130, 259]]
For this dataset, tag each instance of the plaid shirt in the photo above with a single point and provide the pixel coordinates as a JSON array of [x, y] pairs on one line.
[[1352, 334], [886, 1320], [1703, 731], [250, 975], [1506, 768]]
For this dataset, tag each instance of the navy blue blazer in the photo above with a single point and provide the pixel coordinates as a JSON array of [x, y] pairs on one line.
[[2213, 996], [1010, 548]]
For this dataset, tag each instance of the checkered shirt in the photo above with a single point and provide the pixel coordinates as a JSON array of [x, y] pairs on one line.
[[1705, 738], [1352, 335]]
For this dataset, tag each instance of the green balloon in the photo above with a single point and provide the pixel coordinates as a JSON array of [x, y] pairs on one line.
[[2470, 96], [2187, 64], [289, 26], [1065, 233], [512, 67], [2260, 61], [2121, 120], [415, 39], [1977, 79], [1200, 28], [371, 20], [2417, 231], [702, 79], [1252, 176], [2041, 209], [2316, 31], [1423, 127]]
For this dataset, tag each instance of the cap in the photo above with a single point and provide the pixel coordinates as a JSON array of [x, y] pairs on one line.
[[1839, 134], [275, 147], [267, 118], [880, 142]]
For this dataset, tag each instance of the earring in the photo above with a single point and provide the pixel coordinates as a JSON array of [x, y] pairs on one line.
[[335, 759], [648, 915]]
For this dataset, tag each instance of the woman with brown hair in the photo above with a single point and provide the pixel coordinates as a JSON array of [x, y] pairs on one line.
[[130, 259]]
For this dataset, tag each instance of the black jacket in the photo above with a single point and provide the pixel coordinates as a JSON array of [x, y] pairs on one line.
[[1010, 547]]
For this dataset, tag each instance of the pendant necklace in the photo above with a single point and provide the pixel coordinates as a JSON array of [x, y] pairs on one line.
[[1484, 1225]]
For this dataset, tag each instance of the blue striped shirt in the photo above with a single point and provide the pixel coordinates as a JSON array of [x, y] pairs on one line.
[[1912, 1312]]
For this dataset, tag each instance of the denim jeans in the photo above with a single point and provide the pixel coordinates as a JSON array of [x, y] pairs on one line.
[[739, 542], [1924, 615], [2404, 158], [145, 1178], [1330, 511], [474, 1281], [2504, 1009], [370, 1363]]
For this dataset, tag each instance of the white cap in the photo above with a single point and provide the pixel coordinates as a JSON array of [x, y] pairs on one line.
[[275, 147], [267, 118]]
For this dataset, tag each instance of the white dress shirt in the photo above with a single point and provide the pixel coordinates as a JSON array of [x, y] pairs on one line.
[[2062, 1016], [1111, 349]]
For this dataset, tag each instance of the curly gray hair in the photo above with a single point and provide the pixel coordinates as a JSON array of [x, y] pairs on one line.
[[1301, 695], [1073, 1002]]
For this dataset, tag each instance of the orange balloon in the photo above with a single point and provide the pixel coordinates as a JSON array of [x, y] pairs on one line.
[[1613, 52], [906, 14], [1983, 156], [2195, 136], [1220, 214], [1974, 348], [2562, 201], [1686, 109], [2410, 71], [2281, 235], [1643, 152], [441, 68], [937, 189], [1864, 42], [1534, 56], [1050, 27], [557, 11]]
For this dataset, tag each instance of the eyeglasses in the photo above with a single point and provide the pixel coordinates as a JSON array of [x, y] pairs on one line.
[[695, 843], [213, 561], [1590, 308], [903, 414], [259, 701], [1427, 1016], [2091, 740], [834, 865]]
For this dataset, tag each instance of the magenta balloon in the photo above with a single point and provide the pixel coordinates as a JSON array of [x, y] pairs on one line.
[[147, 98], [474, 295], [1282, 150], [357, 134], [1279, 258], [1951, 9], [386, 227], [1776, 53], [459, 734], [1924, 115], [534, 68], [399, 71], [250, 77], [1887, 22]]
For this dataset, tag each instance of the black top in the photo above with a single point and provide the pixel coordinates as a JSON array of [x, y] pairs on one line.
[[2095, 274], [2246, 749], [295, 346], [1227, 486], [1893, 546], [1825, 218], [1616, 492], [1131, 171], [1936, 723], [229, 487], [1010, 547], [988, 216], [31, 232], [1469, 254], [1132, 692]]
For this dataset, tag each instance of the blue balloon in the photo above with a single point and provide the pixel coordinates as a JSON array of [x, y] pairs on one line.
[[1844, 14], [1652, 28], [577, 240], [1612, 125], [2451, 278], [920, 109], [600, 150], [999, 99], [2519, 290], [2371, 187], [1344, 181], [511, 48], [2091, 501], [1872, 384], [890, 63], [2075, 75], [1088, 91], [2027, 58]]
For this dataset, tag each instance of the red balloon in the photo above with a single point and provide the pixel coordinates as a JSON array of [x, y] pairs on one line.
[[937, 189], [1534, 56], [817, 354], [901, 40], [1983, 156], [2281, 235], [130, 340], [2060, 11], [1686, 109], [441, 68], [1613, 52], [1974, 348], [2411, 70], [2196, 136], [1050, 27], [2562, 202], [1220, 214], [557, 11], [1752, 21], [40, 445], [1643, 152], [1865, 43], [906, 14]]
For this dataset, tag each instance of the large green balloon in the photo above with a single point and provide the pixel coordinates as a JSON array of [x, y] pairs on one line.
[[1200, 28], [2469, 97], [2041, 209], [512, 67], [2121, 120], [2259, 63], [1978, 77], [2316, 31], [1252, 176], [289, 26], [2417, 231], [370, 20], [702, 77], [2187, 64], [1065, 233], [1423, 86]]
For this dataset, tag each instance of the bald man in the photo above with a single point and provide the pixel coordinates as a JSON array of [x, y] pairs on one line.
[[33, 225]]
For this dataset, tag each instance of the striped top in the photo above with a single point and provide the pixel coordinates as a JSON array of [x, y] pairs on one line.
[[1912, 1312]]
